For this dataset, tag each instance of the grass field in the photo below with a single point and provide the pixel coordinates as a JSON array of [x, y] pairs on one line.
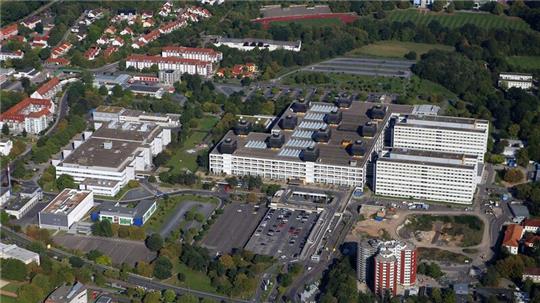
[[194, 279], [435, 254], [181, 159], [464, 231], [524, 63], [458, 19], [311, 22], [396, 49]]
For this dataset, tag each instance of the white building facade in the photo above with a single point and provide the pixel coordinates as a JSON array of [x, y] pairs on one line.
[[429, 176], [203, 54], [68, 207], [509, 80], [190, 66]]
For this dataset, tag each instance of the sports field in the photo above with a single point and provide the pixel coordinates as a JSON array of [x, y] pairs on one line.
[[483, 20], [396, 49], [311, 22]]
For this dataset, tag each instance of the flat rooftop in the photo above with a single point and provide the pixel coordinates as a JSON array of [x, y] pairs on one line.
[[110, 109], [66, 201], [127, 131], [16, 252], [444, 122], [294, 10], [110, 208], [102, 153], [429, 158], [256, 41], [333, 152]]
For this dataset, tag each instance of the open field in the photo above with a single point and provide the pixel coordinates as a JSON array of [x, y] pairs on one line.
[[396, 49], [182, 159], [455, 20], [444, 231], [206, 123], [524, 63]]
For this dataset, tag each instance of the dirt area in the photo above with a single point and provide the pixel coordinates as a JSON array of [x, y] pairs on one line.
[[372, 228]]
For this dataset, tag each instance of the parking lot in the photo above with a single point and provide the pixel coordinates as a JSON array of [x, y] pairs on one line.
[[282, 233], [234, 227]]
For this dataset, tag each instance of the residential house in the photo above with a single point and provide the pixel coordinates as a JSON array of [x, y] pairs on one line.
[[127, 31], [511, 239], [9, 31], [48, 90], [11, 55], [32, 115], [31, 22], [92, 53], [532, 273]]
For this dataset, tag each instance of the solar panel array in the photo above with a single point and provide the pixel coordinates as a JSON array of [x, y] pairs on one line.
[[288, 152], [322, 108], [314, 116], [256, 144], [300, 143], [311, 124], [305, 134]]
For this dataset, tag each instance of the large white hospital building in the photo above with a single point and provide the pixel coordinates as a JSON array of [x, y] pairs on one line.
[[347, 143]]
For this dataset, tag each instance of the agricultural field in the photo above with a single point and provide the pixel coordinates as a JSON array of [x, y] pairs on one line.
[[524, 63], [396, 49], [455, 20]]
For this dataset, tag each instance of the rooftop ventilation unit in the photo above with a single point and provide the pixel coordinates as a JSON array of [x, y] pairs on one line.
[[107, 145], [242, 128], [228, 146], [322, 134], [377, 112], [289, 122], [343, 102], [357, 149], [310, 154], [300, 106], [334, 117], [275, 140], [368, 130]]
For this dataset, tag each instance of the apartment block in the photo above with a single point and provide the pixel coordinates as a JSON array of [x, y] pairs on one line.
[[190, 66], [203, 54], [442, 134], [32, 115], [518, 80], [426, 175]]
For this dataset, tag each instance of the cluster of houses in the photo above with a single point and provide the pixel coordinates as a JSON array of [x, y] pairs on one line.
[[33, 114], [519, 237], [80, 30], [248, 70]]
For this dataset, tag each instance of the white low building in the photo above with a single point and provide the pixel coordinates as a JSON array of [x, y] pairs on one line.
[[105, 113], [68, 207], [106, 160], [5, 146], [12, 251], [426, 175], [20, 203], [509, 80], [248, 44]]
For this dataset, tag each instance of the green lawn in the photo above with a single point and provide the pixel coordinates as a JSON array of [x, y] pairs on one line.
[[206, 123], [6, 299], [194, 279], [182, 159], [396, 49], [164, 210], [311, 22], [458, 19], [435, 254], [524, 63]]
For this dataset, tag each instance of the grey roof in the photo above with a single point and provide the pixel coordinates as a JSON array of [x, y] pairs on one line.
[[461, 288], [433, 158], [93, 153], [519, 210], [144, 88], [110, 208], [334, 151], [66, 293]]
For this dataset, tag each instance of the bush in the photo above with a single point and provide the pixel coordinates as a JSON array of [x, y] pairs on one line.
[[513, 175], [13, 269], [154, 242]]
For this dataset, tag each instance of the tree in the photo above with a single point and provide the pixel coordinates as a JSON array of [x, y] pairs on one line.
[[162, 268], [438, 5], [5, 129], [93, 254], [252, 198], [523, 157], [39, 28], [411, 55], [169, 295], [13, 269], [144, 269], [187, 298], [76, 262], [117, 91], [102, 228], [152, 297], [513, 175], [154, 242], [65, 181], [44, 53], [103, 90]]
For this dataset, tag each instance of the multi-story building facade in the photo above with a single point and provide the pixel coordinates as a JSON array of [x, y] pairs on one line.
[[5, 146], [76, 293], [32, 115], [106, 160], [426, 175], [190, 66], [203, 54], [442, 134], [12, 251], [387, 267], [48, 90], [249, 44], [519, 80], [11, 55], [105, 113]]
